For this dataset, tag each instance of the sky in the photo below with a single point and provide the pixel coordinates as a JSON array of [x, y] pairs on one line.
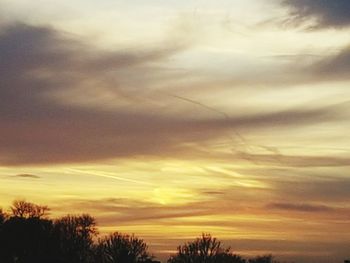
[[171, 118]]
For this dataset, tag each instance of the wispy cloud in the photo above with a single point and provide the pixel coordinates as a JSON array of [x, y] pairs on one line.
[[300, 207], [295, 160], [128, 211]]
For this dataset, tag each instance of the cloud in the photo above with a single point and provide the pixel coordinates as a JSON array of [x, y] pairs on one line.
[[300, 207], [300, 69], [281, 72], [41, 69], [128, 211], [334, 67], [294, 160], [335, 190], [27, 176], [322, 13], [213, 192], [64, 100]]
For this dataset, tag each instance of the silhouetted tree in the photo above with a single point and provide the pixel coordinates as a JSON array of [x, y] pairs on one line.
[[28, 236], [205, 249], [24, 236], [2, 217], [21, 208], [75, 235], [2, 221], [119, 248], [262, 259]]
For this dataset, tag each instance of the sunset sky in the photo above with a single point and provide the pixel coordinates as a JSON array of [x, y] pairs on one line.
[[169, 118]]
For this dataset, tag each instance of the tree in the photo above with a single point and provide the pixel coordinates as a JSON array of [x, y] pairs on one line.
[[26, 240], [205, 249], [75, 235], [23, 209], [2, 217], [262, 259], [27, 236], [119, 248]]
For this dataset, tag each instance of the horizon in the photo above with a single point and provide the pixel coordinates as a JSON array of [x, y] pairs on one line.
[[168, 119]]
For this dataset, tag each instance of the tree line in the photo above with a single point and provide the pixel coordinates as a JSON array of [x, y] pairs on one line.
[[27, 235]]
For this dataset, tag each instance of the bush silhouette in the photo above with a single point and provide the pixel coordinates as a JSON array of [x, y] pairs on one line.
[[205, 249], [262, 259], [117, 248]]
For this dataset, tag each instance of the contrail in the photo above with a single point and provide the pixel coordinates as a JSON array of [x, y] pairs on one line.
[[108, 175], [199, 104], [247, 146], [224, 114]]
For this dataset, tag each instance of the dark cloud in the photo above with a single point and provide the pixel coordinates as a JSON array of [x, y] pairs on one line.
[[38, 62], [300, 207], [315, 190], [294, 160], [27, 176], [334, 67], [291, 117], [63, 100], [323, 13], [213, 193]]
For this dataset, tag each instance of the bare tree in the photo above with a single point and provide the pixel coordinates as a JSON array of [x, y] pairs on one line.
[[205, 249], [121, 248], [76, 237], [23, 209]]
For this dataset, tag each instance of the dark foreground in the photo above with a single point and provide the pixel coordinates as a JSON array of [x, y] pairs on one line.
[[27, 235]]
